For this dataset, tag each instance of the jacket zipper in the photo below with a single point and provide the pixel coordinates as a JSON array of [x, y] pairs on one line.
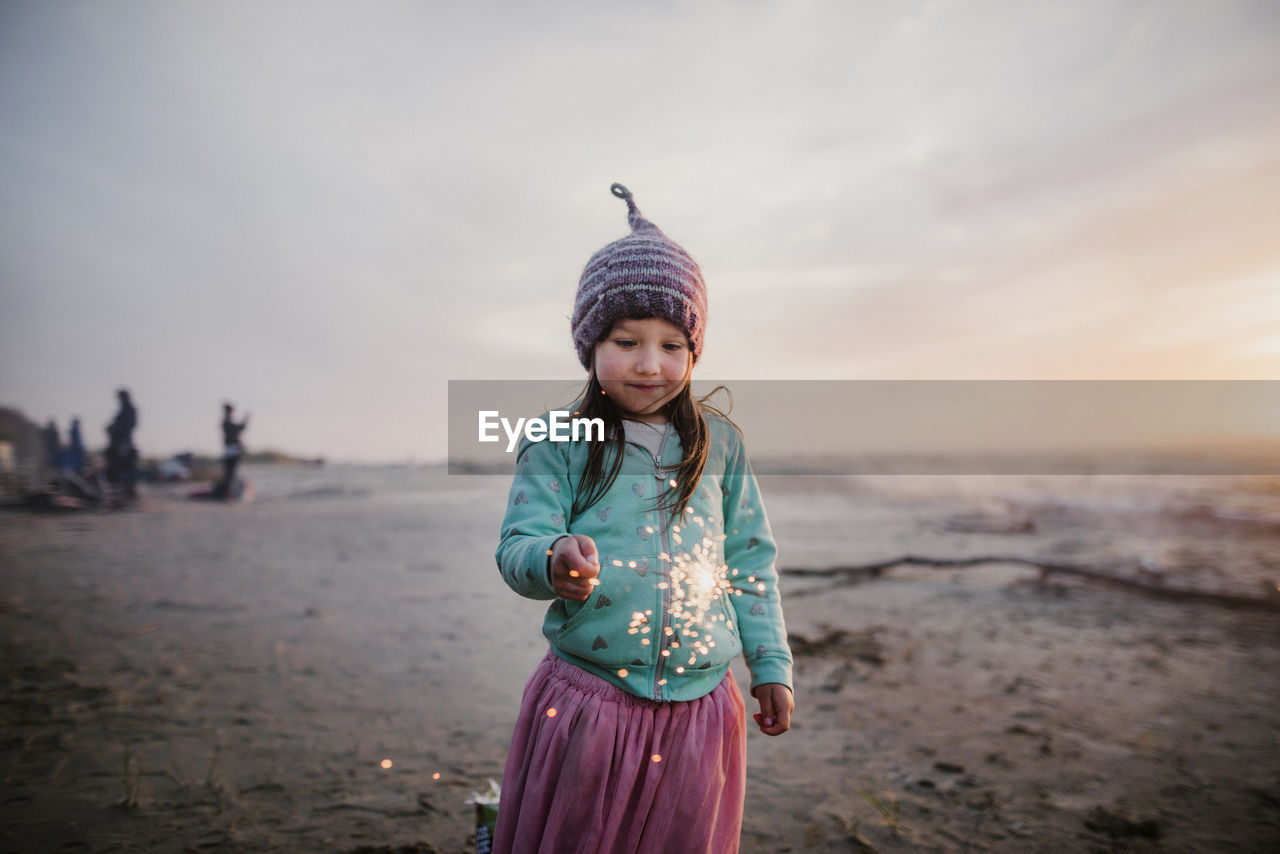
[[665, 574]]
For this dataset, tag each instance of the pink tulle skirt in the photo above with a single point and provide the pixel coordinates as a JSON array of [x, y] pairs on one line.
[[593, 769]]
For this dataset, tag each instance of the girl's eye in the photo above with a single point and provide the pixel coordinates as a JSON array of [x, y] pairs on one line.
[[624, 342], [673, 346]]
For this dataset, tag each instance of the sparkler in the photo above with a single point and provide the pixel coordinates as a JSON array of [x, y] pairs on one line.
[[697, 582]]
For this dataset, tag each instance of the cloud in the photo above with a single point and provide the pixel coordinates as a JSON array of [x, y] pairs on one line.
[[327, 210]]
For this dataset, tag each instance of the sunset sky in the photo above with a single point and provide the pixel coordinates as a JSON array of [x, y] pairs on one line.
[[325, 211]]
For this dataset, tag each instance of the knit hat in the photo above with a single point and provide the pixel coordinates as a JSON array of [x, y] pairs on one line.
[[645, 274]]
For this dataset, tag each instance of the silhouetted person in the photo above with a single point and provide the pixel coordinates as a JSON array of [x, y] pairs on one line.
[[231, 451], [73, 455], [122, 456]]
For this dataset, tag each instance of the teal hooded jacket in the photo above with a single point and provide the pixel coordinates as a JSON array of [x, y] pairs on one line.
[[678, 597]]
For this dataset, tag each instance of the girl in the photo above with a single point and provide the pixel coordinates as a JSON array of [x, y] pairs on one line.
[[655, 551]]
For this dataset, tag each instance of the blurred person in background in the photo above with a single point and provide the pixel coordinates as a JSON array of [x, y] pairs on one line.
[[232, 450]]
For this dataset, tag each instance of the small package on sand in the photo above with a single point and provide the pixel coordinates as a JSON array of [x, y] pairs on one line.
[[486, 802]]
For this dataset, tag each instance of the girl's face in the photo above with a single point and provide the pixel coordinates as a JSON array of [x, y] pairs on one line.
[[643, 364]]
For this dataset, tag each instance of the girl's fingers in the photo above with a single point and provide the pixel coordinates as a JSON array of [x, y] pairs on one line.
[[775, 710], [576, 565], [784, 715], [574, 591]]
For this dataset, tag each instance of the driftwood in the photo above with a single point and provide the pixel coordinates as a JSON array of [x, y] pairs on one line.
[[848, 575]]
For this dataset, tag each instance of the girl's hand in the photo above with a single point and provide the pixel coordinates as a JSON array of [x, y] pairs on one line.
[[776, 706], [575, 565]]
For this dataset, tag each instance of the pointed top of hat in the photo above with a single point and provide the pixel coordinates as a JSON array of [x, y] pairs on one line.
[[637, 220], [644, 274]]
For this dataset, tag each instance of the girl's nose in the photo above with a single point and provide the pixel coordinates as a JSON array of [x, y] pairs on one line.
[[649, 362]]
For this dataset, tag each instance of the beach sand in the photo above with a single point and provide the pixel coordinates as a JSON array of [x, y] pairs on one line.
[[197, 677]]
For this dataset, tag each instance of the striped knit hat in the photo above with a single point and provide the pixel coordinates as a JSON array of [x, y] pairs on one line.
[[645, 274]]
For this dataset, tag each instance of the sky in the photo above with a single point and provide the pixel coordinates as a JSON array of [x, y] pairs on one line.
[[323, 212]]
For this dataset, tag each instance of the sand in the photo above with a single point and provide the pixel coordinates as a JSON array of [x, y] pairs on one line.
[[197, 677]]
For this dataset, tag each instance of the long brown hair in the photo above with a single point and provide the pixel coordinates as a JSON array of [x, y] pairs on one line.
[[604, 459]]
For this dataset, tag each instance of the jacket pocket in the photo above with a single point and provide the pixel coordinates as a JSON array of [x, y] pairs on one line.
[[727, 631], [707, 640], [617, 625]]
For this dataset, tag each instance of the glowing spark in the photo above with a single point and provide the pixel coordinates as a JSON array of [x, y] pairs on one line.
[[594, 582], [623, 673], [694, 587], [386, 763], [573, 573], [435, 776], [657, 757], [551, 712]]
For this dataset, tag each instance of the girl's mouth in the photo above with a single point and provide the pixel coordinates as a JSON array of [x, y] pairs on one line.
[[645, 386]]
